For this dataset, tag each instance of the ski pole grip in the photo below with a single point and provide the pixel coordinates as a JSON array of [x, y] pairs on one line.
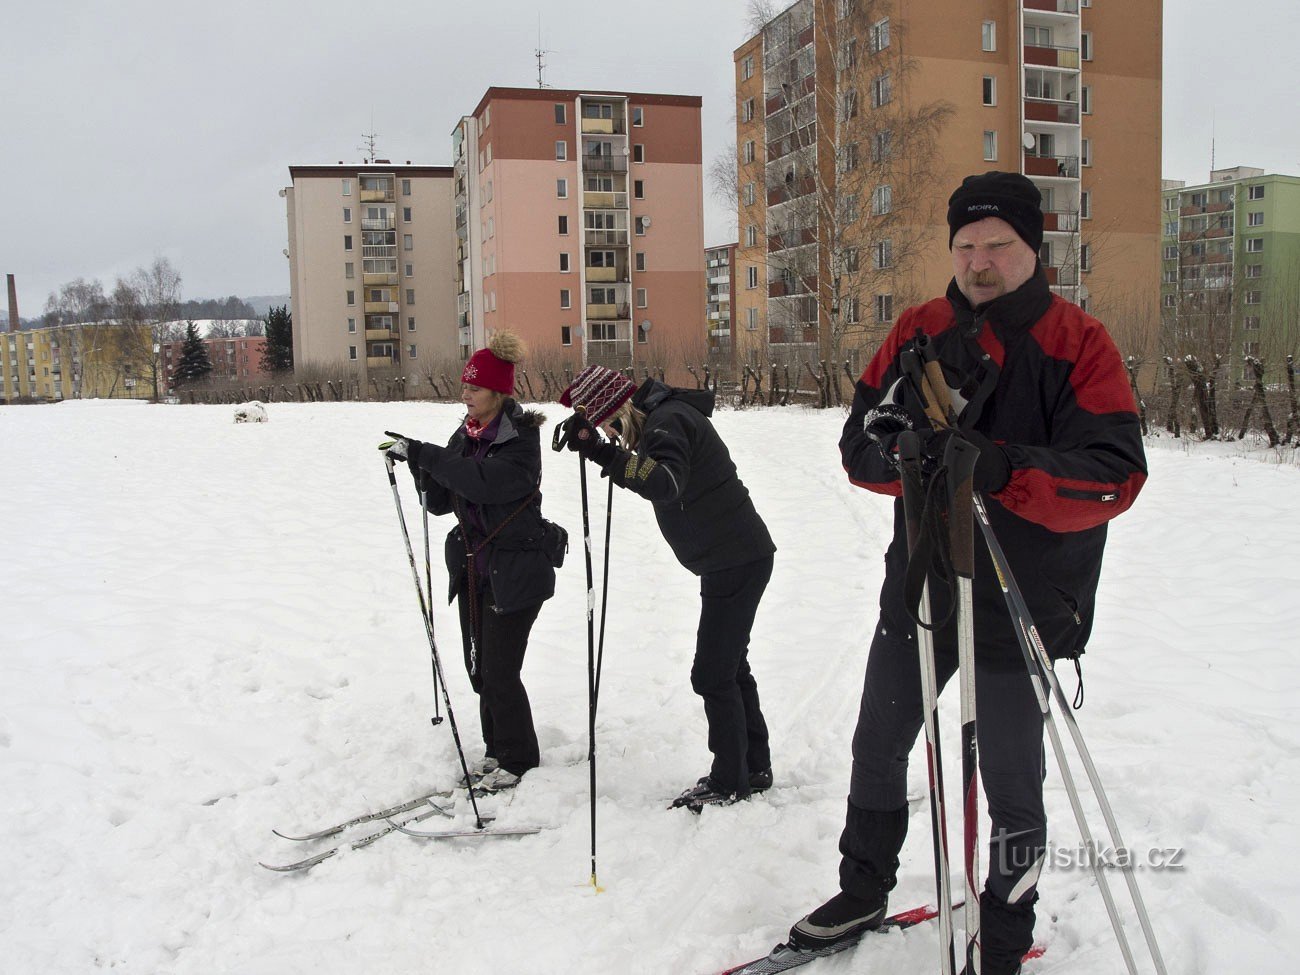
[[959, 457], [909, 469]]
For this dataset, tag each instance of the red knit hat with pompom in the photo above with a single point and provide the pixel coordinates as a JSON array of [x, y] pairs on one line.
[[494, 367]]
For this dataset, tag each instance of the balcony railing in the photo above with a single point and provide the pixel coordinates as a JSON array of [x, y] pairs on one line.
[[1067, 166], [781, 288], [1194, 210], [1051, 110], [603, 200], [1065, 276], [609, 313], [603, 126], [1054, 6], [1208, 233], [791, 189], [806, 136], [1051, 57], [388, 223], [605, 238], [792, 238], [593, 163], [1061, 221]]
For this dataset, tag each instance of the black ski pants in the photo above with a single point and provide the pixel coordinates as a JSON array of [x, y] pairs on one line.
[[729, 600], [503, 708], [1012, 767]]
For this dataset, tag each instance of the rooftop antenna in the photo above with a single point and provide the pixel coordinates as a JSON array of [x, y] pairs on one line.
[[539, 54], [368, 149], [1212, 121]]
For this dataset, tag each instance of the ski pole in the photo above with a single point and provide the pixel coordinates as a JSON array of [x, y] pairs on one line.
[[440, 679], [428, 578], [1041, 670], [959, 459], [909, 462], [604, 593]]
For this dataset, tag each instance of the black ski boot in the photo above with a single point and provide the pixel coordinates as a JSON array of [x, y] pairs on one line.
[[841, 917], [706, 793]]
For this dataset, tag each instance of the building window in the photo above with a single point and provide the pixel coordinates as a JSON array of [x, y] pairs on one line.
[[989, 94], [347, 191], [560, 113], [751, 277], [1250, 348], [352, 297], [879, 35], [408, 242], [850, 207], [747, 110], [562, 188], [638, 152], [410, 296], [566, 300], [852, 311], [561, 149], [563, 223], [492, 227], [1255, 219], [638, 189], [1085, 257], [406, 214], [849, 104], [347, 242], [1171, 203], [1254, 245], [1250, 323], [884, 254], [1085, 205], [1171, 253], [410, 324], [1254, 297], [638, 116], [1170, 276], [1171, 301], [352, 351], [751, 235], [1254, 270], [881, 146], [1085, 99], [1171, 228], [564, 262], [751, 318], [881, 91], [410, 270], [566, 331], [406, 187], [989, 36], [747, 194], [884, 308], [1255, 192], [747, 151], [410, 351], [640, 226], [1085, 153], [849, 157], [747, 67], [882, 200], [1085, 45], [352, 324], [349, 270], [641, 300], [990, 145], [640, 260], [347, 214]]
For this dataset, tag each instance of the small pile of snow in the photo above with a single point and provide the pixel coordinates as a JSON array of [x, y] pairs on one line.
[[250, 412]]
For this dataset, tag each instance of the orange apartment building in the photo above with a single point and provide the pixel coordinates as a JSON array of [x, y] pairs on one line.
[[1063, 91], [579, 221], [234, 360]]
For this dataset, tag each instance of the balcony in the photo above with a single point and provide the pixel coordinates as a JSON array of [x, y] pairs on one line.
[[1061, 166], [386, 278], [1051, 57], [792, 238], [378, 196], [791, 189], [381, 308], [593, 163], [603, 126], [380, 361], [800, 139], [609, 313], [600, 200], [1051, 110], [1215, 258], [1062, 276], [381, 334], [1209, 233], [605, 238], [602, 273], [386, 223], [781, 288], [1061, 221], [1194, 210], [1054, 6]]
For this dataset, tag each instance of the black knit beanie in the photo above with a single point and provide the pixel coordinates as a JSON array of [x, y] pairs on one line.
[[1007, 196]]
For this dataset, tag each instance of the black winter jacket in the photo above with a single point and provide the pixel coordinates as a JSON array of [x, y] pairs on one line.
[[519, 570], [1057, 399], [683, 467]]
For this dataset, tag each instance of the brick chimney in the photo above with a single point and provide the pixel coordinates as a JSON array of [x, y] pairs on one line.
[[13, 304]]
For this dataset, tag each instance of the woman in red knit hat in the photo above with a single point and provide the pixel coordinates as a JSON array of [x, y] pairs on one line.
[[489, 476]]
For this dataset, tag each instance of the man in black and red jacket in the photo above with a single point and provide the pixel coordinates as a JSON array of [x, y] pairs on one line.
[[1043, 393]]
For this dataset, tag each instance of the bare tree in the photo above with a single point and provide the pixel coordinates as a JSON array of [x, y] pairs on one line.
[[144, 306]]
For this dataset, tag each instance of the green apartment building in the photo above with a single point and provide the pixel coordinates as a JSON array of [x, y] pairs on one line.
[[1230, 268]]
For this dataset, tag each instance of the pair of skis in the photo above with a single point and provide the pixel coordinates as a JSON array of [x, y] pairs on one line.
[[399, 818]]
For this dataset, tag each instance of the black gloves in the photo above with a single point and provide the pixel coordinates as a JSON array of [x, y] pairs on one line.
[[884, 424], [993, 469], [582, 437]]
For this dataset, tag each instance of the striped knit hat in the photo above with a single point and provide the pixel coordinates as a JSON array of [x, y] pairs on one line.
[[599, 391]]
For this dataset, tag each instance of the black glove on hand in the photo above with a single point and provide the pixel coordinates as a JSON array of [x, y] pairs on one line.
[[586, 440], [883, 425], [993, 469]]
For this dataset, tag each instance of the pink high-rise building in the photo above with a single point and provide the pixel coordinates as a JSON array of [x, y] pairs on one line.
[[580, 225]]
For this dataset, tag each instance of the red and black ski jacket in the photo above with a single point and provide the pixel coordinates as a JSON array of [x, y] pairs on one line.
[[1043, 380]]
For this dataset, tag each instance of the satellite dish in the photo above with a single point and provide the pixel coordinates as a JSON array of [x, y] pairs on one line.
[[579, 331], [1029, 140], [645, 325], [645, 221]]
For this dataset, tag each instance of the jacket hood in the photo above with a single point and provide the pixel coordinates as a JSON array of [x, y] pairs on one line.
[[652, 393]]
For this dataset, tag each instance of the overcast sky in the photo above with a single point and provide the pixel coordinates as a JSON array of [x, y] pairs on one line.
[[140, 129]]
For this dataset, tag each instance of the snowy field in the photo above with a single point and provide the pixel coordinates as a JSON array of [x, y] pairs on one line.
[[208, 630]]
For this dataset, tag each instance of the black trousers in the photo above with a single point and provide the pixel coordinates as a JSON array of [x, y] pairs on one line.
[[721, 676], [503, 708], [1012, 768]]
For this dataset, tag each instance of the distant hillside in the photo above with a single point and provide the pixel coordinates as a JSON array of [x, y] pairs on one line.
[[261, 304]]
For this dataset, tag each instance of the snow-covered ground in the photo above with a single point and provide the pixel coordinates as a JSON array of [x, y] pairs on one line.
[[208, 630]]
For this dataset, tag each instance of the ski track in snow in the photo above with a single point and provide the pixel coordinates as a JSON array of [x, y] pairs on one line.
[[210, 631]]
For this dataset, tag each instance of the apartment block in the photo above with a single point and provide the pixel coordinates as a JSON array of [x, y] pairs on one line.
[[372, 253], [92, 360], [720, 266], [829, 97], [1230, 266], [236, 360], [579, 224]]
